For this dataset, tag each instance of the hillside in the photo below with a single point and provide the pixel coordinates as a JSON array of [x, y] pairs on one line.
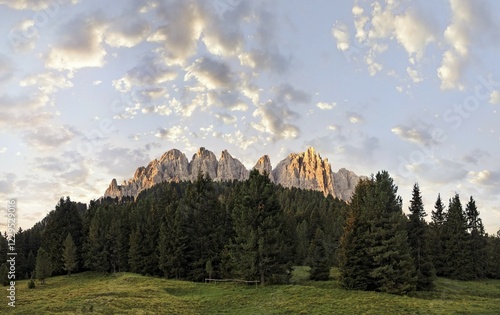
[[127, 293]]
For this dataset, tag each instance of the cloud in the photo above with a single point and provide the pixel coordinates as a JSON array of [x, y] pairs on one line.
[[354, 118], [35, 5], [226, 118], [274, 120], [475, 156], [174, 134], [221, 39], [127, 31], [419, 133], [495, 98], [50, 137], [471, 23], [210, 73], [414, 30], [79, 44], [285, 93], [340, 32], [439, 171], [326, 106], [6, 69], [121, 162], [149, 72], [7, 183], [3, 150], [179, 42], [414, 75], [23, 36], [485, 178], [47, 83], [265, 60]]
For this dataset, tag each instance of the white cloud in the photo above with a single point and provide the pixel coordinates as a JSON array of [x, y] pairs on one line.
[[485, 177], [174, 134], [211, 73], [326, 106], [79, 45], [226, 118], [23, 36], [417, 133], [49, 137], [36, 5], [471, 25], [127, 31], [3, 150], [179, 42], [495, 97], [48, 82], [274, 120], [340, 32], [414, 75], [354, 118], [414, 31], [6, 69]]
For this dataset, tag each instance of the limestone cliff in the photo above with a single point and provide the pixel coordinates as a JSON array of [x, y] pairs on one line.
[[305, 170]]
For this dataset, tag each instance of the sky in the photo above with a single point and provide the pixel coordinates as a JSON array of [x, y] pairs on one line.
[[90, 90]]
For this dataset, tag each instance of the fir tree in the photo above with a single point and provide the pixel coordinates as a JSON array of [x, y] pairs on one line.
[[31, 263], [418, 239], [477, 240], [4, 275], [457, 252], [354, 262], [262, 248], [436, 236], [69, 254], [318, 259], [43, 265]]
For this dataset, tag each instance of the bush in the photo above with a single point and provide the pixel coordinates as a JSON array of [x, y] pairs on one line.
[[31, 284]]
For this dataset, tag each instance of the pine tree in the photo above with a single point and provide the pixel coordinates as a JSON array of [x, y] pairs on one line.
[[436, 236], [69, 254], [43, 265], [457, 252], [318, 258], [477, 240], [262, 247], [418, 239]]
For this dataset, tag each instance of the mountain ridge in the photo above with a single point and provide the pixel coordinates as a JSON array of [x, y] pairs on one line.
[[306, 170]]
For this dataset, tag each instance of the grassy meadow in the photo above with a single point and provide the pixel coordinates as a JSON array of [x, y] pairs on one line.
[[126, 293]]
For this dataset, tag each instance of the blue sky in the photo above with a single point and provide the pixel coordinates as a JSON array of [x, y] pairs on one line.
[[90, 90]]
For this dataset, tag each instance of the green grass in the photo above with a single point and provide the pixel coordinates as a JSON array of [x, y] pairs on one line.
[[126, 293]]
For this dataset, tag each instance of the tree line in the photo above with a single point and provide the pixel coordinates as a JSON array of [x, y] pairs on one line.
[[256, 230]]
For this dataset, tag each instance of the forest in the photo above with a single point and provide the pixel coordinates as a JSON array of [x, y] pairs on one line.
[[256, 230]]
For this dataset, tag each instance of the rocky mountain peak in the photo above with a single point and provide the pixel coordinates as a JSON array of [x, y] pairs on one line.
[[307, 170]]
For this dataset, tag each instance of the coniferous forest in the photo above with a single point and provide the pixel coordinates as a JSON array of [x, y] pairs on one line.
[[255, 230]]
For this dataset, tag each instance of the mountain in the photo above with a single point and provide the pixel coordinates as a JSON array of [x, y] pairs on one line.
[[306, 170]]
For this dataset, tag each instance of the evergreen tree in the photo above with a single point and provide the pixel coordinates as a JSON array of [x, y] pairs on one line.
[[31, 263], [418, 239], [318, 258], [69, 254], [262, 248], [436, 237], [63, 220], [457, 252], [43, 265], [355, 263], [173, 243], [4, 275], [376, 237], [477, 240]]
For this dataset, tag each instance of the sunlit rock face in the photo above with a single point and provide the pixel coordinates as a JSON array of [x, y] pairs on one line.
[[306, 170]]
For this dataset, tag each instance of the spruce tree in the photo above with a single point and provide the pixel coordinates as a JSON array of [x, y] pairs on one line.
[[4, 275], [318, 258], [436, 236], [262, 246], [375, 254], [43, 265], [457, 253], [69, 254], [31, 263], [355, 263], [477, 240], [418, 239]]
